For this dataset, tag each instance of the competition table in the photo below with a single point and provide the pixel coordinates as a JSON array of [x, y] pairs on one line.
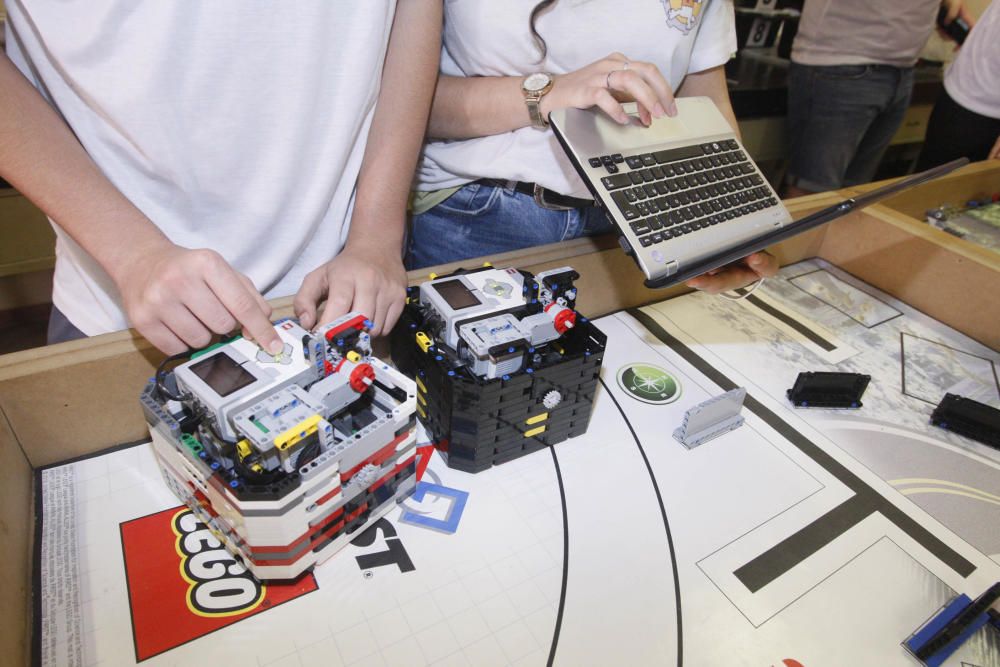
[[810, 537]]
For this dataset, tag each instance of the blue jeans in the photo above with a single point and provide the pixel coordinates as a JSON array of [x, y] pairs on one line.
[[61, 329], [840, 121], [482, 220]]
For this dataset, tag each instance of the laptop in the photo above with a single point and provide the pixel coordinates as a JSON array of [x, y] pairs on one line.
[[684, 194]]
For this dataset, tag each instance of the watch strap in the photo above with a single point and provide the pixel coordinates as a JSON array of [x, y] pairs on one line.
[[533, 102], [533, 98]]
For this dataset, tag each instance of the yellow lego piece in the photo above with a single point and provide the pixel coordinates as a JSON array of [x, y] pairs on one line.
[[432, 276], [420, 385], [421, 399], [535, 431], [420, 410], [487, 265], [353, 356], [243, 449], [301, 430], [424, 341], [537, 418]]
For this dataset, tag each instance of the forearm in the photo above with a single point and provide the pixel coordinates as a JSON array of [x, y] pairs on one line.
[[398, 127], [467, 107], [40, 156], [711, 83]]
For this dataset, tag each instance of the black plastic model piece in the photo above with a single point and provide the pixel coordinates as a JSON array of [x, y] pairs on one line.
[[506, 377], [828, 390], [970, 418], [955, 628]]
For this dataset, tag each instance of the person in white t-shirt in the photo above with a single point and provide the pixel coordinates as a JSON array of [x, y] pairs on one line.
[[195, 157], [965, 121], [493, 176]]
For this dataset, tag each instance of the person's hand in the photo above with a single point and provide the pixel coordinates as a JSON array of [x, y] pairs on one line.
[[954, 9], [739, 274], [608, 82], [365, 278], [995, 151], [178, 298]]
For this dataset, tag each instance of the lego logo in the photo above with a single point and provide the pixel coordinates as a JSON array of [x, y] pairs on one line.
[[182, 585], [217, 584]]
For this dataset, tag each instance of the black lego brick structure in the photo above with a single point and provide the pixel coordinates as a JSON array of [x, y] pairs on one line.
[[477, 423]]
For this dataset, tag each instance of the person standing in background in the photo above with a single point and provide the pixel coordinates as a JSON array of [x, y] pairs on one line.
[[849, 86], [965, 121]]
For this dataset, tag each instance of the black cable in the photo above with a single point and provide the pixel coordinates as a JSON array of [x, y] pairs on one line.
[[161, 372], [248, 474], [308, 453]]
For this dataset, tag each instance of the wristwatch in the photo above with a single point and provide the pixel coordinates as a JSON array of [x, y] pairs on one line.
[[533, 87]]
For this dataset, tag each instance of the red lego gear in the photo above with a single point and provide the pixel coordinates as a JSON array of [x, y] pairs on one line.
[[564, 318], [362, 377]]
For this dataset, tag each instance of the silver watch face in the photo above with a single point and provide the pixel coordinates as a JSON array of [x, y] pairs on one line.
[[536, 81]]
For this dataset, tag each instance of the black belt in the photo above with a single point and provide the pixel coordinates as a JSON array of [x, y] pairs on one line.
[[542, 196]]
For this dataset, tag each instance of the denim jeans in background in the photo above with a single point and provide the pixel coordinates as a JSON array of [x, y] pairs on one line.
[[840, 121], [60, 329], [480, 220]]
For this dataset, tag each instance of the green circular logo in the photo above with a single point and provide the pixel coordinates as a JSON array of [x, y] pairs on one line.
[[649, 383]]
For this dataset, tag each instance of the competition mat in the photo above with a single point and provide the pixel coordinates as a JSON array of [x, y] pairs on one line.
[[806, 537]]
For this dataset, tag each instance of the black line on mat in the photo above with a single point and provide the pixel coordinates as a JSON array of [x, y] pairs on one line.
[[792, 322], [775, 562], [565, 568], [666, 525]]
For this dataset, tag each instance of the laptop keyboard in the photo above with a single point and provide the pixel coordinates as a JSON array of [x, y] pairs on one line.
[[670, 193]]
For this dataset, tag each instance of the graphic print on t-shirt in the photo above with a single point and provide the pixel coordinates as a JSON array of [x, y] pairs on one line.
[[682, 14]]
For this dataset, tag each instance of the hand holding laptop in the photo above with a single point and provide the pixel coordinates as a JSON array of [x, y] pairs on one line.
[[688, 200], [748, 270], [608, 82]]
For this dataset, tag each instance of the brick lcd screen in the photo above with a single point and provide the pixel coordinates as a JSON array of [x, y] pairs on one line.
[[222, 374], [456, 294]]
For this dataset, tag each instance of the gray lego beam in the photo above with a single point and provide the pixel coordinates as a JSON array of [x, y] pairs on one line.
[[711, 419]]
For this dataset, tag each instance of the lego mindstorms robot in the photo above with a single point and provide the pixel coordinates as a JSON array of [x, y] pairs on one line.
[[284, 456], [504, 365]]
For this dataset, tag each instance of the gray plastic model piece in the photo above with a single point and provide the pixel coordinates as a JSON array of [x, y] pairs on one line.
[[711, 419]]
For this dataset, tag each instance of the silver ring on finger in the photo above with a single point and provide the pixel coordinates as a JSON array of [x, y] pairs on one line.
[[607, 82]]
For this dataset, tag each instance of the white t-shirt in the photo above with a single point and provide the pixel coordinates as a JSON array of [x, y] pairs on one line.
[[861, 32], [487, 38], [973, 80], [233, 125]]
